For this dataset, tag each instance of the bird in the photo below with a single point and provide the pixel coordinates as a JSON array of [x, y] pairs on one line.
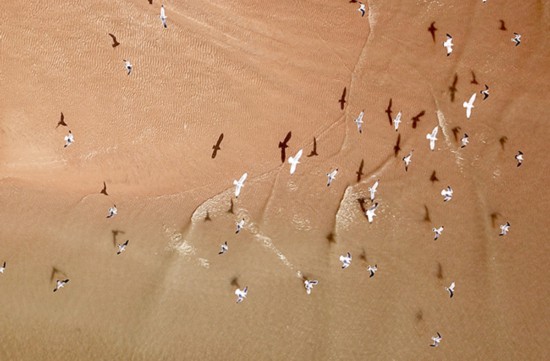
[[113, 211], [346, 260], [60, 284], [373, 189], [342, 100], [3, 268], [309, 285], [432, 137], [397, 121], [370, 213], [283, 145], [122, 246], [61, 121], [504, 229], [436, 339], [115, 42], [69, 139], [361, 9], [517, 39], [331, 176], [432, 29], [519, 157], [239, 184], [485, 92], [451, 290], [314, 151], [128, 66], [469, 105], [241, 294], [224, 248], [359, 121], [240, 225], [437, 232], [163, 16], [448, 44], [104, 190], [464, 141], [216, 146], [372, 270], [294, 161], [408, 159], [447, 194]]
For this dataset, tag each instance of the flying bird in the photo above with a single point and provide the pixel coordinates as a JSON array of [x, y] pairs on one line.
[[113, 211], [432, 137], [115, 42], [294, 161], [408, 160], [346, 260], [519, 157], [69, 139], [370, 213], [359, 121], [128, 66], [448, 44], [373, 189], [372, 270], [436, 339], [469, 105], [240, 225], [397, 121], [464, 141], [283, 145], [361, 9], [331, 176], [239, 184], [485, 92], [241, 294], [216, 146], [61, 121], [163, 16], [104, 190], [314, 151], [309, 285], [517, 39], [447, 194], [342, 100], [432, 29], [122, 246], [437, 232], [451, 290], [60, 284], [3, 268], [504, 229], [224, 248]]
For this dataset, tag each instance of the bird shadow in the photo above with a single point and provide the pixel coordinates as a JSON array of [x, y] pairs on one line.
[[56, 271], [503, 141], [116, 232], [427, 214], [439, 272], [235, 282], [502, 25], [473, 81], [61, 121], [432, 29], [283, 145], [230, 210], [330, 238], [207, 217], [453, 89], [416, 118], [314, 151], [419, 315], [396, 147], [389, 112], [360, 171], [150, 2], [362, 205], [456, 131], [363, 255], [494, 217], [216, 146], [433, 177], [342, 100], [115, 42]]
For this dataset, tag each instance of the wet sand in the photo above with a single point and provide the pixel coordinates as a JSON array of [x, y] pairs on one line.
[[255, 72]]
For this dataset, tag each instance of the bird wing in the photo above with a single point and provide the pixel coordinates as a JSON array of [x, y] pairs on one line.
[[243, 178], [472, 99], [298, 155], [434, 131]]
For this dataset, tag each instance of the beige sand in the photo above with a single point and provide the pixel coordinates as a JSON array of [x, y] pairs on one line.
[[254, 71]]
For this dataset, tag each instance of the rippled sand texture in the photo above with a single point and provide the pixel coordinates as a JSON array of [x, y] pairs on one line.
[[255, 71]]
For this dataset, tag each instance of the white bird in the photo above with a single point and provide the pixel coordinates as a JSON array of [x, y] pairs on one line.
[[241, 294], [294, 161], [516, 39], [239, 184], [373, 189], [447, 194], [370, 212], [485, 92], [224, 248], [451, 289], [361, 9], [359, 121], [408, 160], [122, 247], [432, 137], [464, 141], [504, 229], [372, 270], [331, 176], [449, 44], [69, 139], [113, 211], [469, 105], [240, 225], [397, 121], [163, 16], [519, 157], [128, 66], [3, 268], [437, 232], [436, 339], [346, 260], [309, 285], [60, 284]]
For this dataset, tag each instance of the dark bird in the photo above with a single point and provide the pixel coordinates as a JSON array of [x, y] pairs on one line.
[[502, 26], [396, 147], [416, 118], [432, 29], [342, 100], [474, 81], [453, 89], [433, 177], [503, 141], [115, 42], [314, 151], [283, 145], [389, 112], [360, 172], [104, 190], [485, 92], [61, 121], [216, 146], [456, 131]]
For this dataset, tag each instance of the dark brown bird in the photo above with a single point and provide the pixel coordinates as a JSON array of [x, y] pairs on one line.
[[432, 29], [216, 146], [104, 190], [389, 112], [61, 121], [416, 118], [360, 171], [342, 100], [474, 81], [453, 89], [115, 42], [283, 145], [314, 151]]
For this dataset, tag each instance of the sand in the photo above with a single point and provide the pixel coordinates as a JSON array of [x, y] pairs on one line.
[[255, 71]]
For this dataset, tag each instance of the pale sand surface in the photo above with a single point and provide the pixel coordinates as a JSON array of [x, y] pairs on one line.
[[254, 71]]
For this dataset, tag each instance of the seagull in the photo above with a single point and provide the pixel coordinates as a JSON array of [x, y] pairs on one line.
[[370, 212], [469, 105], [294, 161], [3, 268], [449, 44], [372, 270], [128, 66], [519, 157], [122, 247], [408, 160], [239, 184], [447, 194], [516, 39], [69, 139], [485, 92], [361, 9], [331, 176], [373, 189], [451, 289], [60, 284], [240, 225], [432, 137], [346, 260], [241, 294], [396, 121], [436, 340], [504, 228], [104, 190], [112, 211], [309, 285], [359, 121], [464, 140], [437, 232], [224, 248], [163, 16]]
